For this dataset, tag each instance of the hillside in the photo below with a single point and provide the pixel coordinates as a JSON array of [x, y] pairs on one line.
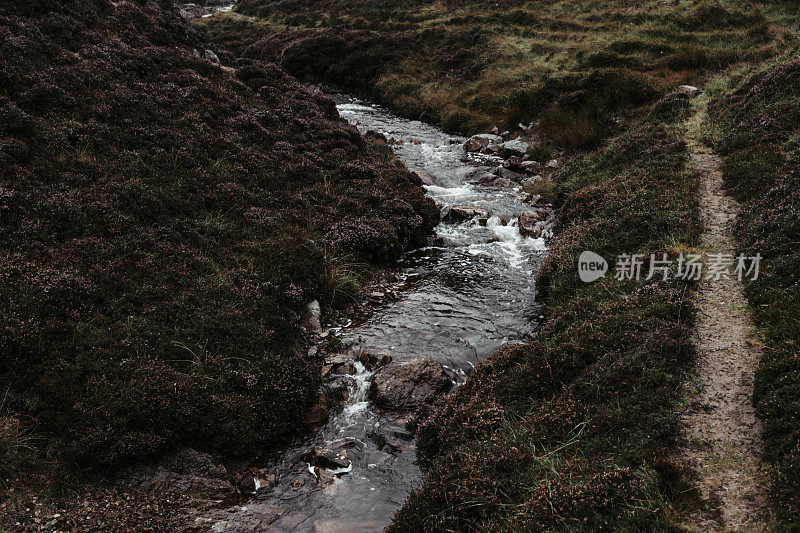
[[175, 194], [164, 221]]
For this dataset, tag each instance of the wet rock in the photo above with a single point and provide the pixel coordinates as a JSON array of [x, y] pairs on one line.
[[510, 175], [481, 176], [409, 384], [326, 458], [514, 161], [528, 223], [187, 472], [530, 166], [371, 361], [324, 477], [384, 443], [246, 482], [264, 479], [516, 147], [311, 318], [341, 364], [536, 200], [319, 412], [189, 11], [297, 483], [459, 213], [251, 480], [424, 177], [479, 142]]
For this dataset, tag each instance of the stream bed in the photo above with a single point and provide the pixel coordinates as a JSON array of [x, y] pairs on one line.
[[458, 300]]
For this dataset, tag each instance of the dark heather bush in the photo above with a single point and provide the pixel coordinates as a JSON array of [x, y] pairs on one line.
[[755, 129], [163, 222]]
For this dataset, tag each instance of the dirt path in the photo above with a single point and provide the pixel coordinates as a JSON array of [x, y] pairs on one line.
[[722, 431]]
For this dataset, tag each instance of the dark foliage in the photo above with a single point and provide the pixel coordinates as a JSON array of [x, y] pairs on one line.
[[163, 221]]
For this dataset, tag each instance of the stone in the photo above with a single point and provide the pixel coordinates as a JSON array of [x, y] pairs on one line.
[[297, 483], [527, 222], [689, 90], [514, 161], [479, 176], [514, 147], [325, 458], [553, 163], [319, 412], [476, 143], [407, 385], [460, 213], [311, 318], [530, 166], [211, 56], [509, 174], [187, 472], [324, 477], [424, 177]]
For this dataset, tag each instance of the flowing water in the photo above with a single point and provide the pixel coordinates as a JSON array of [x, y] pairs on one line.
[[469, 292]]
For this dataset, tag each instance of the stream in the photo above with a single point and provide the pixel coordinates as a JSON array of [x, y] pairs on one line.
[[458, 300]]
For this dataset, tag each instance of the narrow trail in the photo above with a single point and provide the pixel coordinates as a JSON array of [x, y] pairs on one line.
[[722, 431]]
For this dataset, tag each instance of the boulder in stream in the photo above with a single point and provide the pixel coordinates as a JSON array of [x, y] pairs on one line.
[[407, 385], [529, 223], [516, 147], [461, 213], [326, 458], [476, 143]]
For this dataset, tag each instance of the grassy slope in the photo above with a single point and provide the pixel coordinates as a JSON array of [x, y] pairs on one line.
[[753, 124], [574, 430], [163, 222], [578, 66]]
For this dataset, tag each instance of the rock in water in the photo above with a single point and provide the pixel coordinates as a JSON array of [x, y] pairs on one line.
[[408, 385], [516, 147], [528, 223], [460, 213], [326, 458], [476, 143]]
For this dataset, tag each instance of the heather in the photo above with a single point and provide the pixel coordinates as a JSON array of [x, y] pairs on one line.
[[164, 220], [576, 429], [753, 124], [583, 69]]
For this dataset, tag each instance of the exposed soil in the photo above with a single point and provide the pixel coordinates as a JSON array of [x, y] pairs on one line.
[[723, 434]]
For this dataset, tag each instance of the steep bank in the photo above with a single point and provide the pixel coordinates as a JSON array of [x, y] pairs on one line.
[[752, 124], [164, 221]]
